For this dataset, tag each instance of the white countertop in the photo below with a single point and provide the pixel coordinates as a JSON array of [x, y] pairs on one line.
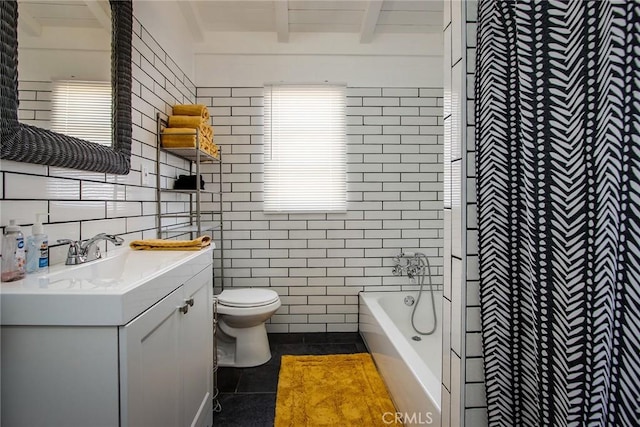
[[110, 291]]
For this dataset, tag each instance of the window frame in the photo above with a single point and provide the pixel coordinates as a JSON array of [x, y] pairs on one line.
[[324, 128]]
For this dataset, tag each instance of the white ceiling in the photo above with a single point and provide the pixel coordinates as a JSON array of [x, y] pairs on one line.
[[333, 16], [34, 15], [283, 17]]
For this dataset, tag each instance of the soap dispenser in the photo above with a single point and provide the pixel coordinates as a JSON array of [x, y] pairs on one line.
[[13, 258], [37, 247]]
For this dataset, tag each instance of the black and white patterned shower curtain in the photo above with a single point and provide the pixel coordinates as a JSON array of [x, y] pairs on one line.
[[558, 158]]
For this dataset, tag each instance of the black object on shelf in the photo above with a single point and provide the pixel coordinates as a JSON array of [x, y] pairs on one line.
[[188, 182]]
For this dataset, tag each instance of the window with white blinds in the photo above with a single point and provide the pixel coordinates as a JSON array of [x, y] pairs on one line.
[[82, 109], [304, 148]]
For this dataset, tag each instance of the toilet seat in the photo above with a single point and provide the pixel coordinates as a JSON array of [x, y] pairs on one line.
[[251, 297]]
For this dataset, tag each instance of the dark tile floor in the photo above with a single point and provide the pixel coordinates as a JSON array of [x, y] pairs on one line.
[[248, 395]]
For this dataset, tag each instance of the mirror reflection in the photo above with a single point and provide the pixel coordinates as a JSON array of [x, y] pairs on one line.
[[25, 143], [64, 67]]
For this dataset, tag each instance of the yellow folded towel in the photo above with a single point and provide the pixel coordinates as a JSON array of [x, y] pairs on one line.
[[191, 110], [186, 137], [179, 131], [171, 245], [192, 122], [213, 150], [178, 137], [206, 131]]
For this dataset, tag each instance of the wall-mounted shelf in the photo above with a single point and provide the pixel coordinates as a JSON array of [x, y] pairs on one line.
[[190, 191], [192, 154], [195, 221], [196, 156], [182, 229]]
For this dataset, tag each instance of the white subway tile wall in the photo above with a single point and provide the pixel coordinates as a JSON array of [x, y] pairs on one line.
[[319, 262], [35, 103], [463, 402], [316, 262], [81, 204]]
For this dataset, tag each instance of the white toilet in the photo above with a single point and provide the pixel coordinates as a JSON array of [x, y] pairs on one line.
[[241, 334]]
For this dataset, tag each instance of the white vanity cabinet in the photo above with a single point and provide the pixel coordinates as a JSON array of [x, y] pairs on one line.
[[168, 359], [141, 358]]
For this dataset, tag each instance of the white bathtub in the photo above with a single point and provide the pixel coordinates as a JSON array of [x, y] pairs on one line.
[[411, 369]]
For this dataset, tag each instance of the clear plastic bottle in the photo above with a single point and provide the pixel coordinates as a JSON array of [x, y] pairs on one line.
[[37, 247], [13, 253]]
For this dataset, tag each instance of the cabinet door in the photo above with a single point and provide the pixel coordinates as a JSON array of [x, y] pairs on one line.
[[64, 376], [150, 377], [197, 350]]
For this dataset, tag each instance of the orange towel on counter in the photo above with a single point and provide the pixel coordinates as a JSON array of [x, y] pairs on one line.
[[171, 245], [191, 110]]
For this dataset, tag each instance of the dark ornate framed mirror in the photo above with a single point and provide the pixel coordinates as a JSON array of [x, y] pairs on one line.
[[24, 143]]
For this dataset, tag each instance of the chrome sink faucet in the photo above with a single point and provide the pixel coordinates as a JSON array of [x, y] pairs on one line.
[[88, 250]]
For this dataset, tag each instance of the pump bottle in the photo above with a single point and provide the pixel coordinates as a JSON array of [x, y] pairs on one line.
[[37, 247], [13, 254]]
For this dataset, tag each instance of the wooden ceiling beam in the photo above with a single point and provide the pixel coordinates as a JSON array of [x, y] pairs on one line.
[[99, 10], [282, 20], [191, 16], [370, 20], [29, 24]]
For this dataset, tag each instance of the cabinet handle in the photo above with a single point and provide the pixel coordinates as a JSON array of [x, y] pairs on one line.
[[189, 301], [184, 309]]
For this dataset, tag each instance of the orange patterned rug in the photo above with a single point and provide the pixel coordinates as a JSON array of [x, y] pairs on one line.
[[333, 390]]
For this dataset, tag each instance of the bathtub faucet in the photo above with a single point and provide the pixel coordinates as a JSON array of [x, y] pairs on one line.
[[418, 269], [412, 271], [408, 262], [397, 271]]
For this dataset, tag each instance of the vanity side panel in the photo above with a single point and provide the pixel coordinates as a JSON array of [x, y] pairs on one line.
[[59, 376]]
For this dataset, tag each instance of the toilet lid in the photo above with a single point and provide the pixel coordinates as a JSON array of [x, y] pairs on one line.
[[252, 297]]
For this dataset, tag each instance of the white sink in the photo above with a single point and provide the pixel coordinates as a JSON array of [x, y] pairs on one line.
[[116, 269], [108, 291]]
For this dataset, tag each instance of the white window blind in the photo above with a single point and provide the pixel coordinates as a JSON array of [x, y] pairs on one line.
[[304, 148], [82, 109]]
